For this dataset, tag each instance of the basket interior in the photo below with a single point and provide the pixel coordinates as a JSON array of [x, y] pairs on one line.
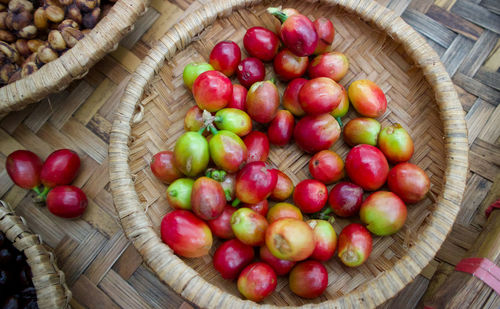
[[372, 55]]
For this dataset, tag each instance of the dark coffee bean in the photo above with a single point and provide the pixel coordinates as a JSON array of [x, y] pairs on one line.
[[23, 278], [19, 259], [11, 303], [28, 293], [4, 278], [31, 305], [5, 256]]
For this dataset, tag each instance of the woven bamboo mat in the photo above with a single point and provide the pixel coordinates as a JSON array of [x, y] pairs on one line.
[[104, 270]]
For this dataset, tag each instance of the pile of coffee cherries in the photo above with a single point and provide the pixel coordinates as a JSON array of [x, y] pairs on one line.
[[231, 200], [16, 286], [49, 180]]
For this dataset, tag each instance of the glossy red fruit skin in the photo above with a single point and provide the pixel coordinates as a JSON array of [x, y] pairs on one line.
[[225, 57], [221, 226], [24, 168], [288, 66], [280, 129], [66, 201], [326, 166], [383, 212], [193, 121], [361, 131], [367, 167], [227, 151], [320, 95], [212, 91], [291, 97], [396, 144], [325, 239], [60, 168], [299, 35], [310, 195], [284, 187], [239, 97], [207, 198], [184, 233], [257, 146], [163, 167], [257, 281], [262, 101], [249, 71], [308, 279], [333, 65], [254, 182], [280, 267], [231, 257], [326, 34], [283, 210], [277, 22], [345, 199], [409, 182], [354, 245], [249, 226], [261, 207], [290, 239], [314, 133], [261, 43], [367, 98]]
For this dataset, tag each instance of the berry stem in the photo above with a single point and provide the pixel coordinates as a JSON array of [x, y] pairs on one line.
[[227, 193], [200, 131], [212, 129], [325, 214], [36, 190], [278, 13], [339, 121], [236, 202]]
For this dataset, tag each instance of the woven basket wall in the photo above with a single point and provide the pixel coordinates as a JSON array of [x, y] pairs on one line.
[[49, 282], [76, 62], [380, 47]]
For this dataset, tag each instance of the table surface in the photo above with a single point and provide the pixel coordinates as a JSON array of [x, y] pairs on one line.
[[104, 270]]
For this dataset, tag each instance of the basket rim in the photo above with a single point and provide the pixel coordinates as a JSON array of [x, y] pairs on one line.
[[76, 62], [48, 279], [187, 282]]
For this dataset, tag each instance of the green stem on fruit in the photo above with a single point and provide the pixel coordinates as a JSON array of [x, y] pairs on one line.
[[325, 214], [200, 131], [36, 190], [273, 80], [216, 174], [236, 202], [339, 121], [45, 192], [227, 193], [212, 129], [278, 13], [41, 196], [219, 175]]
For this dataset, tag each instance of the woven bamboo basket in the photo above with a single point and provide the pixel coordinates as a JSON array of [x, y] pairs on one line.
[[76, 62], [380, 47], [48, 279]]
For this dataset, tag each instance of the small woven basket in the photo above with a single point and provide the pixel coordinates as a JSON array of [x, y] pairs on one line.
[[76, 62], [380, 47], [49, 282]]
